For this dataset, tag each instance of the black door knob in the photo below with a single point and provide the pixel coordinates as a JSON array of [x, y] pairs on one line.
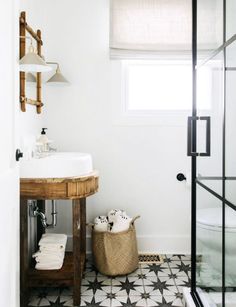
[[180, 177], [19, 154]]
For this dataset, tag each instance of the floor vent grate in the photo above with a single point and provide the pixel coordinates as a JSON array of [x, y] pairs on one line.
[[150, 258]]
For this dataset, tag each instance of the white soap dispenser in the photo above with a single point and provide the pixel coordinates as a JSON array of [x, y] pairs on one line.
[[43, 140]]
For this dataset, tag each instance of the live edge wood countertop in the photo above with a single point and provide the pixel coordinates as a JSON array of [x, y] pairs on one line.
[[59, 188]]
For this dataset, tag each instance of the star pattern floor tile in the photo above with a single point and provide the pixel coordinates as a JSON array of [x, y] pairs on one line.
[[157, 284], [180, 268]]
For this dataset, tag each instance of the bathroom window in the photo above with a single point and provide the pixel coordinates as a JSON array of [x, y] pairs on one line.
[[151, 87], [150, 52]]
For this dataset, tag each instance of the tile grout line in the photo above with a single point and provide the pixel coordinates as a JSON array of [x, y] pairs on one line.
[[172, 273], [111, 291], [174, 280], [143, 284]]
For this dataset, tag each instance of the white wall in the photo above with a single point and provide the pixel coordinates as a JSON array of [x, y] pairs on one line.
[[137, 164], [30, 122]]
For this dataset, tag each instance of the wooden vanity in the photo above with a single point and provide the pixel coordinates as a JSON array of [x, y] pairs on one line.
[[75, 189]]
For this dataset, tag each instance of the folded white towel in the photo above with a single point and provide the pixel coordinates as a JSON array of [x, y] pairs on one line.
[[51, 248], [53, 241], [51, 252], [49, 266], [53, 235], [51, 262], [47, 253], [101, 223], [41, 257]]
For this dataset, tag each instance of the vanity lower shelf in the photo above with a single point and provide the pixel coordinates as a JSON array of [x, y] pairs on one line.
[[52, 278]]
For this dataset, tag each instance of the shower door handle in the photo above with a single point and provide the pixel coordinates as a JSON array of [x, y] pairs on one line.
[[191, 120]]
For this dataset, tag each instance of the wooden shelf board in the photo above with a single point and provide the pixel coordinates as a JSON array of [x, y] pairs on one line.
[[64, 276]]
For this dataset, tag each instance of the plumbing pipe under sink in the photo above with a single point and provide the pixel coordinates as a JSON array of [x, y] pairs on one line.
[[35, 212]]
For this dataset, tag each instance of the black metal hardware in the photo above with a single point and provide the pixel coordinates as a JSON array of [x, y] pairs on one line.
[[192, 151], [208, 136], [228, 203], [180, 177], [191, 120], [43, 130], [19, 154], [193, 145], [218, 50]]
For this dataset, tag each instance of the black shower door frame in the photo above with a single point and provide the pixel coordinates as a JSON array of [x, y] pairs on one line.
[[192, 151]]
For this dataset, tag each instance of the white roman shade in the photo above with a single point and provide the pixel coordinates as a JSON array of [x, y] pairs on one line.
[[151, 27]]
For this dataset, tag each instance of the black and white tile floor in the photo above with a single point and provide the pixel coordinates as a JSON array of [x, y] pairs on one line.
[[150, 285]]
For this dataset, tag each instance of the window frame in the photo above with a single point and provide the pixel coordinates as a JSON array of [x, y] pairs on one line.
[[122, 116]]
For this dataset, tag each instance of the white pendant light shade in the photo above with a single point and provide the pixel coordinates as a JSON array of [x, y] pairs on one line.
[[32, 62], [58, 79], [30, 77]]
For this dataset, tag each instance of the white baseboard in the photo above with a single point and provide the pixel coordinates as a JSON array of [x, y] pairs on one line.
[[157, 244], [164, 244]]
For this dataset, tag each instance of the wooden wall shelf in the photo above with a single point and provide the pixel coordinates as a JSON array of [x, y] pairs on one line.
[[76, 189]]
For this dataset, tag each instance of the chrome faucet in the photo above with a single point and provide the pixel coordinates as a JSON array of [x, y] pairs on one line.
[[42, 151]]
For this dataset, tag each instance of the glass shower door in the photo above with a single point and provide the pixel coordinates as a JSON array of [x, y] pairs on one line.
[[208, 143], [212, 131], [209, 181], [230, 168]]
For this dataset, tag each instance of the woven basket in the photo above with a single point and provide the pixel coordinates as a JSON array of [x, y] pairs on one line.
[[115, 253]]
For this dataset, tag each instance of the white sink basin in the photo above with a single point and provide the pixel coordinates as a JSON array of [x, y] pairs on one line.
[[57, 165]]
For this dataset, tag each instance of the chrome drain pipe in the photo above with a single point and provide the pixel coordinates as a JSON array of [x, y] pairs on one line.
[[35, 212], [54, 215]]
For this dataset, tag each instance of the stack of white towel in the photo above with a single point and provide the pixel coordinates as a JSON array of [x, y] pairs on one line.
[[51, 253], [116, 221]]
